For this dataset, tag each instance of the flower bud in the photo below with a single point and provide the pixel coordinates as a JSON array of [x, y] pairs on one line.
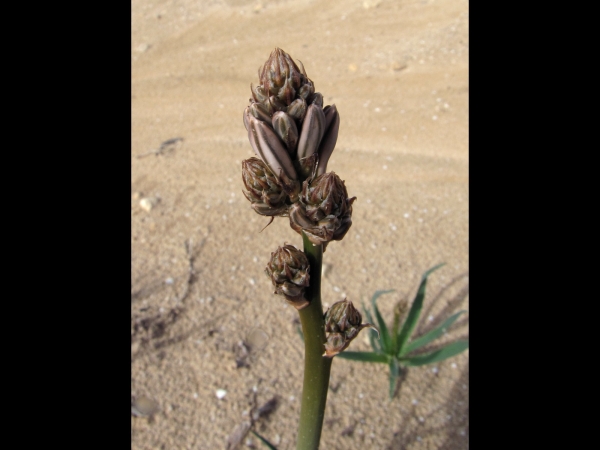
[[268, 147], [316, 99], [313, 128], [306, 167], [324, 211], [332, 126], [258, 94], [289, 273], [297, 109], [342, 323], [286, 129], [274, 105], [281, 76], [260, 112], [263, 189], [306, 91]]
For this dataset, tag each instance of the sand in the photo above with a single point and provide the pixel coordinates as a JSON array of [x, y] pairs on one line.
[[398, 73]]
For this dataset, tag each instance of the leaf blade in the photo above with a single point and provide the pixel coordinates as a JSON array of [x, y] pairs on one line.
[[365, 357], [394, 374], [383, 330], [264, 441], [375, 344], [415, 311], [432, 335], [450, 350]]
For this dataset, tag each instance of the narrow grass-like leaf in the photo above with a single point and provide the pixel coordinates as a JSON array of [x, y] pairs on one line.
[[394, 373], [383, 330], [414, 313], [375, 344], [395, 329], [299, 330], [267, 443], [450, 350], [431, 336], [365, 357]]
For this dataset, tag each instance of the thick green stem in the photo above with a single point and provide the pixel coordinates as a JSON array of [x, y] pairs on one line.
[[316, 367]]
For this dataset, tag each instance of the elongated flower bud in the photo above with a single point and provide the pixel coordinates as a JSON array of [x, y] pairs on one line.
[[342, 323], [324, 211], [313, 128], [332, 126], [263, 189], [268, 147], [289, 273], [286, 129]]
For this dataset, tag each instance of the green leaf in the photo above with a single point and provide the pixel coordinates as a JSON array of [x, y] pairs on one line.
[[375, 344], [386, 342], [414, 313], [365, 357], [299, 330], [431, 336], [394, 373], [267, 443], [450, 350]]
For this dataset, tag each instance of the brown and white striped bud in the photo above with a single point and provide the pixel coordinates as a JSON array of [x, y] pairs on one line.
[[263, 189], [268, 146], [324, 211], [332, 127], [342, 324], [289, 270], [285, 127]]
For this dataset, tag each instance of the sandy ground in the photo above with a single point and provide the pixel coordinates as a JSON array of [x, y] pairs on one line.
[[398, 74]]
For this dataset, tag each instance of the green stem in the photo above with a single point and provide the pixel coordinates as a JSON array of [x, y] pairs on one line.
[[316, 367]]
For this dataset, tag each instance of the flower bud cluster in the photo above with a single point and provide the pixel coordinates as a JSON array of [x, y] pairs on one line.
[[342, 324], [289, 272], [294, 136]]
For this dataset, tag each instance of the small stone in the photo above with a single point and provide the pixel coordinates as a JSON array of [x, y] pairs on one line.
[[143, 406], [397, 66], [142, 47], [147, 203], [221, 393], [367, 4], [136, 195]]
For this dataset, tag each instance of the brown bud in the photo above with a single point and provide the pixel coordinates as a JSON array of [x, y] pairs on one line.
[[280, 76], [342, 323], [313, 128], [286, 129], [289, 272], [332, 126], [324, 211], [263, 189], [268, 146]]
